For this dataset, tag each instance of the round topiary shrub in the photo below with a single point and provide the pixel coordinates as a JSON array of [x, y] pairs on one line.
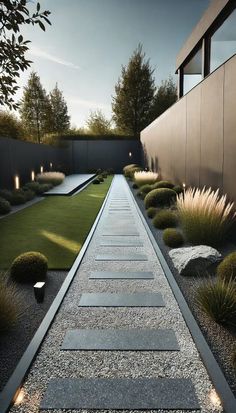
[[100, 178], [30, 266], [226, 270], [18, 197], [160, 198], [178, 189], [135, 186], [144, 190], [164, 219], [96, 181], [173, 238], [29, 195], [5, 206], [151, 212], [163, 184]]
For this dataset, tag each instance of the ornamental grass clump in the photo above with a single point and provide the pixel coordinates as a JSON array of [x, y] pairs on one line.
[[143, 177], [54, 178], [10, 304], [226, 270], [218, 300], [205, 216]]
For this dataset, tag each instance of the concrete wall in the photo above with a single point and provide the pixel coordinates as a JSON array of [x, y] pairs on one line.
[[104, 154], [20, 158], [194, 141]]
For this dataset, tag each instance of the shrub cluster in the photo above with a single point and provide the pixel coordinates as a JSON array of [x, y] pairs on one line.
[[5, 206], [29, 267], [165, 219], [172, 238], [160, 198], [96, 181], [100, 178], [53, 178]]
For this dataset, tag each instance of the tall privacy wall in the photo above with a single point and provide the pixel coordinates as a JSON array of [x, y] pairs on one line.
[[21, 158], [195, 140]]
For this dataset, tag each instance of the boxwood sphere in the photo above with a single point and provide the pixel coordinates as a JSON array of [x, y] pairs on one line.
[[5, 206], [172, 238], [164, 219], [30, 266], [151, 212], [96, 181], [163, 184], [159, 197], [226, 270]]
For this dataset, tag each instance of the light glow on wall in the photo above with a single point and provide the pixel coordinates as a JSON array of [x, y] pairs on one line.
[[32, 175], [17, 182], [130, 154], [41, 169], [50, 165]]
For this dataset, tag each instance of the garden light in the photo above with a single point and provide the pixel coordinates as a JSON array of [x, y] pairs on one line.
[[50, 165], [32, 175], [41, 169], [39, 291], [17, 182], [130, 154], [20, 397]]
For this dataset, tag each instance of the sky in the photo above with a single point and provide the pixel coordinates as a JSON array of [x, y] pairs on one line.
[[89, 41]]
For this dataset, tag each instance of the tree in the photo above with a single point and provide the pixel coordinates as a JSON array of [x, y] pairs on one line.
[[165, 97], [35, 108], [10, 126], [14, 14], [98, 124], [134, 95], [60, 120]]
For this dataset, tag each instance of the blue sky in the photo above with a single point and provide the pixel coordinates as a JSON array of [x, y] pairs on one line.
[[89, 40]]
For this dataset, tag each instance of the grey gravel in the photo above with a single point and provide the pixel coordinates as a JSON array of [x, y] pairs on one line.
[[51, 362]]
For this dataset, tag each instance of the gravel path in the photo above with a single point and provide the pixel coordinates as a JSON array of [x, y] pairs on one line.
[[51, 362]]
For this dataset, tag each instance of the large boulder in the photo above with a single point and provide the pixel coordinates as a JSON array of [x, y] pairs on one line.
[[194, 260]]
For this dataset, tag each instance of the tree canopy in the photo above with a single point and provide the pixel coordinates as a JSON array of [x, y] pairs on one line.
[[14, 14], [60, 120], [165, 97], [134, 94], [98, 124]]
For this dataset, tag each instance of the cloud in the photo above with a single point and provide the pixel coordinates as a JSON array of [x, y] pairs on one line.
[[35, 51], [90, 104]]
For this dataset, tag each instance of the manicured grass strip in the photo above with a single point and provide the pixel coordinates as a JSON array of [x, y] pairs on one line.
[[57, 227]]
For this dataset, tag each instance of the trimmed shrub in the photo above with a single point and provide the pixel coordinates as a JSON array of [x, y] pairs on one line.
[[218, 301], [5, 206], [30, 266], [18, 197], [6, 194], [135, 186], [144, 190], [29, 195], [130, 172], [44, 188], [130, 166], [206, 217], [160, 197], [226, 270], [10, 304], [163, 184], [143, 177], [100, 178], [172, 238], [96, 181], [178, 189], [165, 219], [37, 188], [53, 178], [110, 171], [151, 212]]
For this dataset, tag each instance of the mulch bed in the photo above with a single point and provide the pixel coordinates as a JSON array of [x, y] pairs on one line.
[[14, 343], [222, 341]]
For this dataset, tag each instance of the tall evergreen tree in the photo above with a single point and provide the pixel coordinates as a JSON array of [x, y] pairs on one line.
[[165, 96], [134, 95], [35, 108], [60, 120], [98, 124]]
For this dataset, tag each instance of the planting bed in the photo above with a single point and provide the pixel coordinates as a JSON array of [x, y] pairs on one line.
[[221, 340]]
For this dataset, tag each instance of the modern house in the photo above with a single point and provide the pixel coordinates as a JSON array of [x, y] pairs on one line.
[[194, 141]]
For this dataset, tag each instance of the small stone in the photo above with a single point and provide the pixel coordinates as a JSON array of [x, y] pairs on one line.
[[192, 260]]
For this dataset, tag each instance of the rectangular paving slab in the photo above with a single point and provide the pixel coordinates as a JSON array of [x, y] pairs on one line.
[[118, 275], [121, 340], [115, 232], [121, 300], [121, 257], [120, 394], [123, 243]]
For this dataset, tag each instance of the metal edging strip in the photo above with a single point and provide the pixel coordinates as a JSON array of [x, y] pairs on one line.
[[216, 375], [12, 388]]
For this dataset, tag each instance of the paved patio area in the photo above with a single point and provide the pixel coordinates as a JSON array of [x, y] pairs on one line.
[[119, 340]]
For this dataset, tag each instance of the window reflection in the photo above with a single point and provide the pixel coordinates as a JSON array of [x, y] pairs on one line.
[[193, 71]]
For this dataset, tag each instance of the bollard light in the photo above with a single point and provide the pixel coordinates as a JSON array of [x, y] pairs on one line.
[[39, 291], [17, 182], [32, 175]]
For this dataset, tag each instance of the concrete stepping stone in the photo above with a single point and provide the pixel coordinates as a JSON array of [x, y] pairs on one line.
[[120, 394], [123, 243], [122, 257], [118, 275], [120, 340], [115, 232], [121, 300]]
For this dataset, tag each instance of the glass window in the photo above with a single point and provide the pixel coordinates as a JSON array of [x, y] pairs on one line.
[[223, 42], [193, 71]]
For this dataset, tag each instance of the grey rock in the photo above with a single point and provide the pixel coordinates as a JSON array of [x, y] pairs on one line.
[[192, 260]]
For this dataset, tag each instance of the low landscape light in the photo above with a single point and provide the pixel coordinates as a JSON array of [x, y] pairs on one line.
[[50, 165], [130, 154], [20, 397], [32, 175], [17, 182], [39, 291], [41, 169]]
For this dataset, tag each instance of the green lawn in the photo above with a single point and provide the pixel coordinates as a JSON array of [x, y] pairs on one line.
[[57, 227]]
